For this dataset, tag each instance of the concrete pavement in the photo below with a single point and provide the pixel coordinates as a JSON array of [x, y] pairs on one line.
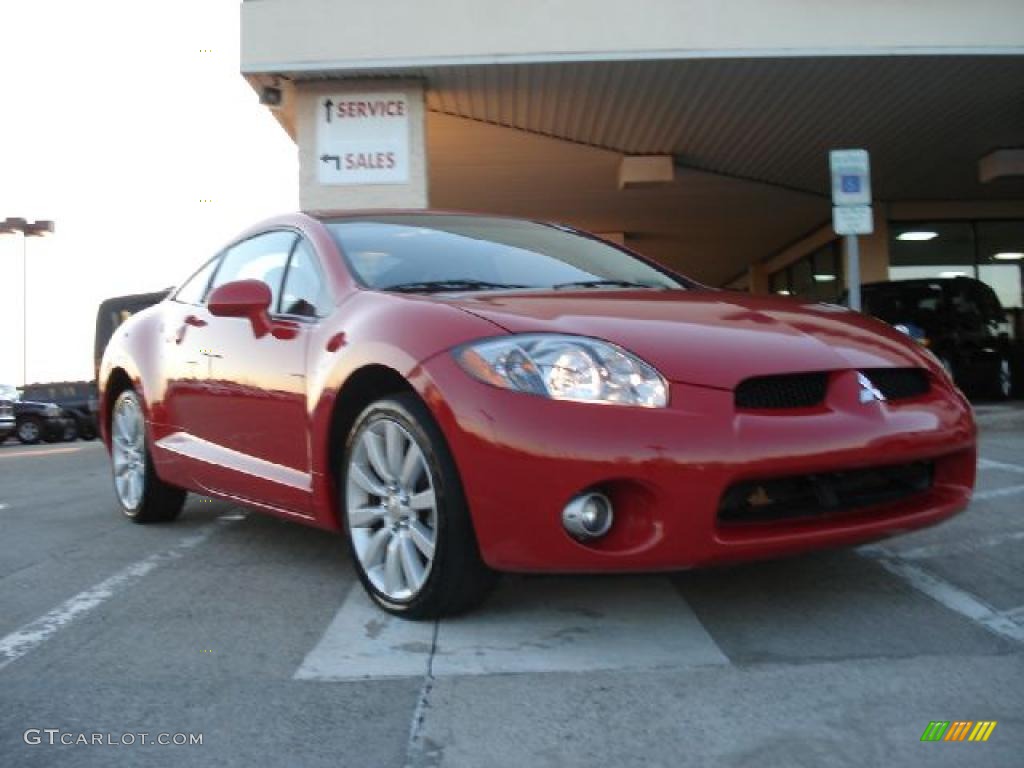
[[253, 632]]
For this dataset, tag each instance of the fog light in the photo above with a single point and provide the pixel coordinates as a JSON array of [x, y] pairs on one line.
[[588, 516]]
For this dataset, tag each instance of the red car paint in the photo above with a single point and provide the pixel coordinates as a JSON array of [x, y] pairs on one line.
[[246, 417]]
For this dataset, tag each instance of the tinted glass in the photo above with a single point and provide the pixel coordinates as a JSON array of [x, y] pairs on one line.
[[259, 258], [399, 251], [917, 302], [304, 291], [194, 289]]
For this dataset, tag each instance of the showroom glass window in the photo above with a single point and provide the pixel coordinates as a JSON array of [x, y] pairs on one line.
[[818, 275], [990, 251]]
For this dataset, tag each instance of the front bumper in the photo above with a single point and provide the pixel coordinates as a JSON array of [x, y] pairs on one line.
[[522, 458]]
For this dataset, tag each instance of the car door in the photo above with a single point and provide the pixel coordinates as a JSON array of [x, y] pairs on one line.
[[245, 425]]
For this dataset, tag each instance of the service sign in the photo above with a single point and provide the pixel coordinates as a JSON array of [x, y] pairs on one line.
[[363, 138], [851, 177]]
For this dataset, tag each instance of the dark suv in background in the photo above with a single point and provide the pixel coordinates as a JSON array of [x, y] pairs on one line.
[[76, 398], [35, 421], [961, 321], [6, 417]]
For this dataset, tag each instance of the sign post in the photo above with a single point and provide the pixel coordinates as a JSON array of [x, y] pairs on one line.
[[851, 209]]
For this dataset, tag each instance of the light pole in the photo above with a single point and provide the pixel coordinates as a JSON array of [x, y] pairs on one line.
[[35, 229]]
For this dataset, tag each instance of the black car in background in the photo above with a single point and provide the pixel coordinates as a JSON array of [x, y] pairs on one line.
[[961, 321], [76, 398], [40, 421], [33, 421]]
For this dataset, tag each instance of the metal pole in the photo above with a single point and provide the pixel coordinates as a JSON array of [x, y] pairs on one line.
[[24, 309], [853, 271]]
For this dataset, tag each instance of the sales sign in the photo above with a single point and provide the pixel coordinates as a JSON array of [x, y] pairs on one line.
[[363, 138]]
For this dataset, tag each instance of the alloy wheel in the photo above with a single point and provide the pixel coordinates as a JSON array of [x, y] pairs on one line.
[[1005, 379], [392, 509], [128, 452], [28, 432]]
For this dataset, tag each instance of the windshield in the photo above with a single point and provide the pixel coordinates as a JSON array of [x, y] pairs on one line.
[[9, 392], [424, 253]]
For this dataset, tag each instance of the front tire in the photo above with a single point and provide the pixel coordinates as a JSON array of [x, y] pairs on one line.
[[143, 496], [29, 431], [409, 529]]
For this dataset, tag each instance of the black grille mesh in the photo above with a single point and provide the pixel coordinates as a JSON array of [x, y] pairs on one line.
[[802, 496], [805, 390], [899, 383], [799, 390]]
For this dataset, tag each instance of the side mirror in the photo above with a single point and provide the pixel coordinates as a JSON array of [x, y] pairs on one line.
[[244, 298]]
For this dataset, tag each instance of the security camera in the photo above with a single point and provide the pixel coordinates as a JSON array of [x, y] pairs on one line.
[[270, 96]]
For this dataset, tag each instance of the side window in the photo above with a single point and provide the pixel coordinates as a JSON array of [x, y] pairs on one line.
[[193, 289], [259, 258], [305, 293]]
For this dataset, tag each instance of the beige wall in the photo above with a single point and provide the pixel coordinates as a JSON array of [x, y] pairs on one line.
[[316, 35], [304, 106]]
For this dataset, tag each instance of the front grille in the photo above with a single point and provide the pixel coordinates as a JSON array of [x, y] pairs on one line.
[[791, 390], [899, 383], [804, 496]]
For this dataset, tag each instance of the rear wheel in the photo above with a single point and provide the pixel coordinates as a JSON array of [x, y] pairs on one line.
[[408, 524], [29, 430], [144, 497], [71, 432]]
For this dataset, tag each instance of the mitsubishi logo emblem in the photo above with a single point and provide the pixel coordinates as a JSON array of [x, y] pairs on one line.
[[868, 391]]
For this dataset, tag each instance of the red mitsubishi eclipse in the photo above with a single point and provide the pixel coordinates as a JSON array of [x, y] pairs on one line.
[[462, 395]]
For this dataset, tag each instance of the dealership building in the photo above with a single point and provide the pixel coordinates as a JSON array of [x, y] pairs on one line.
[[696, 132]]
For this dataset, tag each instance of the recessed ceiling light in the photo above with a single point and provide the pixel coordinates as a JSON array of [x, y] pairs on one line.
[[1009, 256], [783, 292], [917, 236], [952, 274], [824, 278]]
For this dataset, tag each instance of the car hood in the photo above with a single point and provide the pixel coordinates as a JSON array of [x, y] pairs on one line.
[[709, 338]]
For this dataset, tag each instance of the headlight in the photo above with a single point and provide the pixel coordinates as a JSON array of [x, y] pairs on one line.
[[565, 368]]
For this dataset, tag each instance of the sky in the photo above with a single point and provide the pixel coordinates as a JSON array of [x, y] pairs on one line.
[[117, 124]]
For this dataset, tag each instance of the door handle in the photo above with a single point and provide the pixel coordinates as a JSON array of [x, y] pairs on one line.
[[190, 320]]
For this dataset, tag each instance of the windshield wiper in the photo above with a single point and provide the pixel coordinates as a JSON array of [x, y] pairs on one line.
[[439, 286], [603, 283]]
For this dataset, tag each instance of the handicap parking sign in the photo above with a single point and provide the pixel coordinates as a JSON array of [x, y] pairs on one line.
[[851, 177], [851, 184]]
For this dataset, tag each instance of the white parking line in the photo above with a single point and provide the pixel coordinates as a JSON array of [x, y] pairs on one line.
[[937, 550], [47, 452], [1001, 465], [954, 598], [528, 625], [997, 493], [3, 507], [29, 637]]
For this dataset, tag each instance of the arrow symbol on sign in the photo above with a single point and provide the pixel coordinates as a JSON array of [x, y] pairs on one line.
[[329, 158], [327, 106]]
